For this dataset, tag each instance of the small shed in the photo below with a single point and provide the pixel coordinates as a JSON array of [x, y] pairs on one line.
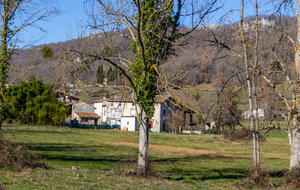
[[210, 125], [130, 122], [87, 117]]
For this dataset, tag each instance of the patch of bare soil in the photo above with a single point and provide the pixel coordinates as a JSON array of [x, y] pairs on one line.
[[176, 150]]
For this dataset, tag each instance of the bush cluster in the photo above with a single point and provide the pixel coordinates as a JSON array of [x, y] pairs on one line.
[[241, 134]]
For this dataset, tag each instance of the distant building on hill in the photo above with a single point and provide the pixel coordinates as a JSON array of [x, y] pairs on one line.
[[66, 98]]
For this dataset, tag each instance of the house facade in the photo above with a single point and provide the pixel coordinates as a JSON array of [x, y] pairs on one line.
[[112, 110], [84, 113], [164, 106]]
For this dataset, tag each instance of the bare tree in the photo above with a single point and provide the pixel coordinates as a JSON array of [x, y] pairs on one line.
[[152, 28], [176, 121], [27, 13]]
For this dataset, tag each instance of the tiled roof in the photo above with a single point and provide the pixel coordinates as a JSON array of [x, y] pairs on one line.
[[116, 99], [161, 98], [87, 114]]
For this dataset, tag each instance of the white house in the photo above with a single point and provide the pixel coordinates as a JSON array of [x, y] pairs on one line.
[[119, 110], [130, 122], [112, 109], [261, 114]]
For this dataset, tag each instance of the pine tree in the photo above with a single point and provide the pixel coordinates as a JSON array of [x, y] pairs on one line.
[[100, 74], [112, 74]]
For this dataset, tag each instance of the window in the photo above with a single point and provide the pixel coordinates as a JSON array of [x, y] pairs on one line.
[[127, 122], [82, 120], [133, 112], [119, 113], [164, 112], [113, 113]]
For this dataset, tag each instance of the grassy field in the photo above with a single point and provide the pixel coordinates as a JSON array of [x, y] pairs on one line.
[[182, 161]]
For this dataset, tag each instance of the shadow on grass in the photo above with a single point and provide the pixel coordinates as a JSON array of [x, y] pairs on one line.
[[49, 132], [202, 174], [207, 174], [75, 152]]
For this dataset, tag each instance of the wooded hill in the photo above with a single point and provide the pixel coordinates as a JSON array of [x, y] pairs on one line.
[[197, 58]]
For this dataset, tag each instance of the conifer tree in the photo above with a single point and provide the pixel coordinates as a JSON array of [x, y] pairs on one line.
[[100, 74]]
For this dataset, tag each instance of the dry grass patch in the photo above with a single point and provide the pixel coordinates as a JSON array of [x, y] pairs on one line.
[[176, 150]]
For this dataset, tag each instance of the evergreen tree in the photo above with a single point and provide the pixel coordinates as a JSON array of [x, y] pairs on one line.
[[112, 74], [33, 102], [47, 52], [100, 74]]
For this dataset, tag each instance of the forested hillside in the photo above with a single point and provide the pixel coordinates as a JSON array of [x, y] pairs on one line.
[[196, 57]]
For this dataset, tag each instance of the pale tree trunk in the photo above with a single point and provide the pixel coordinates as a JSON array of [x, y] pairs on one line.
[[143, 145], [257, 127], [248, 84], [254, 88], [295, 153], [288, 128]]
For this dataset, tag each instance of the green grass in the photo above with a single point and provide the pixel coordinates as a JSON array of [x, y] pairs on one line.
[[98, 153]]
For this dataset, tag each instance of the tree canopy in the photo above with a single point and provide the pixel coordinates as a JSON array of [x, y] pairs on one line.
[[33, 102]]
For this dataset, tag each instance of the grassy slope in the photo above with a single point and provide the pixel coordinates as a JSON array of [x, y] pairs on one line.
[[97, 152]]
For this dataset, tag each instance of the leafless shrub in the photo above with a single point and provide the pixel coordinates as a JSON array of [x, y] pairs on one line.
[[256, 178], [13, 155], [131, 160], [292, 177], [241, 134]]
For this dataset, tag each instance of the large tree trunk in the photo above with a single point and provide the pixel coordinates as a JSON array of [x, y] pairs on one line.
[[295, 154], [143, 145], [254, 88]]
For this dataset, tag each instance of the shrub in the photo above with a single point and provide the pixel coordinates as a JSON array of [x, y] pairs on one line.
[[292, 177], [256, 178], [131, 160], [13, 155], [241, 134]]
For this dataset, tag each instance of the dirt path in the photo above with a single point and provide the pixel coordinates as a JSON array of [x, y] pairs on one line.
[[176, 150]]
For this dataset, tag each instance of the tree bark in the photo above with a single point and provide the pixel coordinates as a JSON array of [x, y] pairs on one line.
[[295, 152], [288, 128], [254, 88], [143, 146], [248, 84]]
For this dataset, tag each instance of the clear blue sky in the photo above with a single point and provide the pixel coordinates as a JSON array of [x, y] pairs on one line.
[[66, 26], [62, 27]]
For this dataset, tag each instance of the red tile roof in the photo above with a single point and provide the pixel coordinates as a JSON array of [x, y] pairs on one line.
[[87, 114]]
